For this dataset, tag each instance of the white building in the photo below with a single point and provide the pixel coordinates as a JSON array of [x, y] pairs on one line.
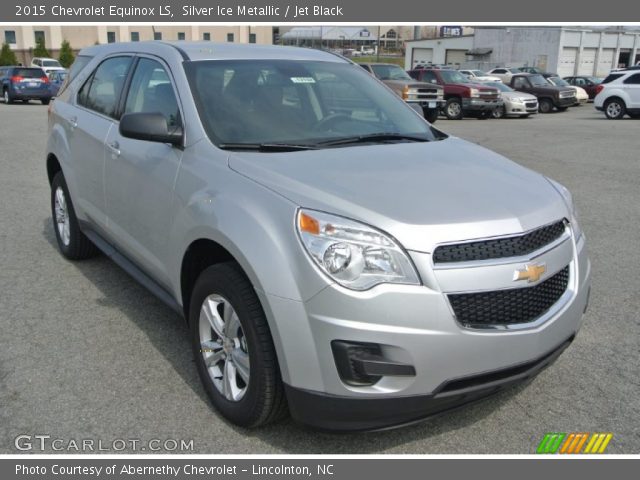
[[565, 50]]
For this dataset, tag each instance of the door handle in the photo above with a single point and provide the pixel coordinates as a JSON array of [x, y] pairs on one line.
[[73, 122], [115, 148]]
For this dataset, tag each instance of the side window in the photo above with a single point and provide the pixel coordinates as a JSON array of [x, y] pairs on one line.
[[633, 79], [102, 91], [520, 82], [151, 91], [500, 70]]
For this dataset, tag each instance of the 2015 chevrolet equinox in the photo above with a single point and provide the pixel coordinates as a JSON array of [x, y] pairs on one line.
[[332, 252]]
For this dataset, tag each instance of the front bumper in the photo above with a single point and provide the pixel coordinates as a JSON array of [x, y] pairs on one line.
[[341, 413], [565, 102], [480, 104], [430, 104], [524, 108], [415, 325]]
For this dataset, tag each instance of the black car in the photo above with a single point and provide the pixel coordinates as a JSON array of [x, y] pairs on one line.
[[24, 83]]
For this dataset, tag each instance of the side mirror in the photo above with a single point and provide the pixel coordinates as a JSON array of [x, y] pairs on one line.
[[151, 127]]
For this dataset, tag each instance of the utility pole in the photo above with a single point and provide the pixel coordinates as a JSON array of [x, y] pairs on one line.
[[378, 47]]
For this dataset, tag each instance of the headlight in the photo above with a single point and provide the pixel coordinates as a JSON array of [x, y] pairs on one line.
[[568, 199], [353, 254], [475, 92]]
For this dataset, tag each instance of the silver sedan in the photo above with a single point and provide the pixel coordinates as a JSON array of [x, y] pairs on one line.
[[515, 104]]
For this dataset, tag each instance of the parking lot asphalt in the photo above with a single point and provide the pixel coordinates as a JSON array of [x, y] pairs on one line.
[[87, 353]]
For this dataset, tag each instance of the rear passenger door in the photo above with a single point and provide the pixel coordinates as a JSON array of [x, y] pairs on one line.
[[87, 125], [139, 174]]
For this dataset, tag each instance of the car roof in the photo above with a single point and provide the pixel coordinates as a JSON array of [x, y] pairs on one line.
[[205, 50]]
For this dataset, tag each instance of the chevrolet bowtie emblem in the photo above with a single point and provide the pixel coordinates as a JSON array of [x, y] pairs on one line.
[[531, 272]]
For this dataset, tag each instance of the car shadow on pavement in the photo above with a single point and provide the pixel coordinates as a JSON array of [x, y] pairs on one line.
[[169, 334]]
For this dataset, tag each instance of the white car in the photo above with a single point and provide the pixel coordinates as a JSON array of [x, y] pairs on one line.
[[47, 64], [480, 76], [581, 94], [504, 73], [619, 95]]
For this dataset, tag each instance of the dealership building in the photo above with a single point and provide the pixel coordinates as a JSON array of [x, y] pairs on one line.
[[565, 50], [22, 38]]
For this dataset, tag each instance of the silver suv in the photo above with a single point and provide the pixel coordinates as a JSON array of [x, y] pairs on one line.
[[334, 255]]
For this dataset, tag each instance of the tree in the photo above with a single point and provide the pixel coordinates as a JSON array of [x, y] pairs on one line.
[[66, 54], [7, 56], [41, 49]]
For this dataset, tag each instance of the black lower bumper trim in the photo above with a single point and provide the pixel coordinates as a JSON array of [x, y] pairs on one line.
[[340, 413]]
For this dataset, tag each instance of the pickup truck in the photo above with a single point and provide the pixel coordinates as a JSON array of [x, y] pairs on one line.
[[427, 95], [549, 96], [462, 97]]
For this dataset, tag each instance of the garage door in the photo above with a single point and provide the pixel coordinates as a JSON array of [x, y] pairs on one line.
[[567, 63], [605, 62], [455, 58], [422, 55], [587, 61]]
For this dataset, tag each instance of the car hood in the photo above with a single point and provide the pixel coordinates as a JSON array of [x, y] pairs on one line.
[[516, 94], [421, 193]]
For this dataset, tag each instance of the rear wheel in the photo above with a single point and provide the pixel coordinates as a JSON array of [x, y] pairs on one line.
[[430, 114], [453, 109], [545, 105], [614, 109], [45, 101], [71, 241], [233, 349]]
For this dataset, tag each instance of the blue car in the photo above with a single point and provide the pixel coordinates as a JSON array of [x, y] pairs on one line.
[[56, 79], [24, 83]]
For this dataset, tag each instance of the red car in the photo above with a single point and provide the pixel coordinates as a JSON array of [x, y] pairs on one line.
[[590, 84]]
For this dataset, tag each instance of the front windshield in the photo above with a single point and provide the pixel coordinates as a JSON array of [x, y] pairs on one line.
[[559, 81], [50, 63], [296, 102], [500, 86], [538, 81], [390, 72], [451, 76]]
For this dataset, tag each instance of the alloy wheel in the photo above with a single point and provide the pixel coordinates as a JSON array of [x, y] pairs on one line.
[[224, 347], [62, 216], [614, 109]]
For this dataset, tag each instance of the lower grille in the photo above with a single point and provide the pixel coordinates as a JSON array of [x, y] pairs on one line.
[[509, 307]]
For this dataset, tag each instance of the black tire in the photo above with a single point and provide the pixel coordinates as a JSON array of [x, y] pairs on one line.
[[26, 100], [264, 400], [6, 96], [499, 112], [615, 109], [78, 246], [562, 109], [430, 114], [545, 105], [453, 109], [45, 101]]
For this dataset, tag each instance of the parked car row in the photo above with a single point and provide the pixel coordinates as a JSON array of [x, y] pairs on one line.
[[30, 83]]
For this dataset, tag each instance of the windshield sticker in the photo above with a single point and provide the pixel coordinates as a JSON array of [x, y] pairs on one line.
[[303, 80]]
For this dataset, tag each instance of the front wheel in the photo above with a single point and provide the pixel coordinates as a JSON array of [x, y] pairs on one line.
[[430, 114], [453, 109], [545, 106], [233, 349], [45, 101], [615, 109], [499, 112], [6, 96]]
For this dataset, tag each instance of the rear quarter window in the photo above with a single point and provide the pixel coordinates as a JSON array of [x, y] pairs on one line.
[[612, 77]]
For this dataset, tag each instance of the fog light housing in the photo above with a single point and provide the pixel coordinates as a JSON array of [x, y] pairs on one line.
[[363, 364]]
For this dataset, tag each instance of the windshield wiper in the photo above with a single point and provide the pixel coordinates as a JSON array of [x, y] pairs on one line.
[[372, 137], [266, 147]]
